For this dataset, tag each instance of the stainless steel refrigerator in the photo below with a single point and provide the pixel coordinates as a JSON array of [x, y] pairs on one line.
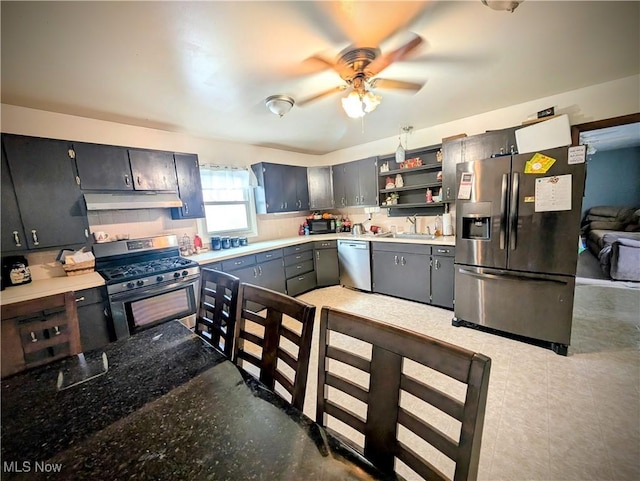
[[518, 223]]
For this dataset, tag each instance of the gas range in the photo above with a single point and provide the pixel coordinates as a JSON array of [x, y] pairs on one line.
[[134, 264]]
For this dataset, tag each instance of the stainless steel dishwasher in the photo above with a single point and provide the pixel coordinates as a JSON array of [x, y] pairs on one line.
[[355, 264]]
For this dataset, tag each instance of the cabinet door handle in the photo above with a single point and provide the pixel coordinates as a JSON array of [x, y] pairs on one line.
[[357, 200], [34, 234], [259, 270], [395, 260], [55, 328], [301, 278], [342, 201], [299, 266], [186, 208], [16, 238], [318, 255], [403, 261], [127, 181], [268, 256], [362, 199], [139, 182], [448, 192], [437, 266], [105, 312], [34, 338], [255, 272], [79, 299]]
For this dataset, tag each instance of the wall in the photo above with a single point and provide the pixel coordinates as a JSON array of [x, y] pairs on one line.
[[613, 178]]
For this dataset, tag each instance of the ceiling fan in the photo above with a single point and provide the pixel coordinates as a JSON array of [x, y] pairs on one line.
[[358, 67]]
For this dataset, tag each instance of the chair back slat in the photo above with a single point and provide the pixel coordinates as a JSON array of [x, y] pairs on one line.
[[450, 379], [217, 309], [262, 334]]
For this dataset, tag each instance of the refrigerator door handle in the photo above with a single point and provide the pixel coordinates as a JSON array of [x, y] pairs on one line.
[[511, 277], [513, 211], [503, 211]]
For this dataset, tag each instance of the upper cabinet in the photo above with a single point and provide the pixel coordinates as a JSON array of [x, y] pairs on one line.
[[355, 184], [103, 167], [42, 205], [476, 147], [320, 187], [189, 188], [113, 168], [281, 188], [153, 170]]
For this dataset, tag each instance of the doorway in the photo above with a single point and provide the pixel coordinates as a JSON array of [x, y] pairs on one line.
[[613, 164]]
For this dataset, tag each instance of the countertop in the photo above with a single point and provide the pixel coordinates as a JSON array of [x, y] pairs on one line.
[[57, 285]]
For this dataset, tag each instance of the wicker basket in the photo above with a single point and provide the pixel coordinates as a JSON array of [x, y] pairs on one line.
[[76, 269]]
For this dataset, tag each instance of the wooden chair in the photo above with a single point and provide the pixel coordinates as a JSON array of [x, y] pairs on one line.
[[276, 340], [390, 411], [218, 309], [39, 331]]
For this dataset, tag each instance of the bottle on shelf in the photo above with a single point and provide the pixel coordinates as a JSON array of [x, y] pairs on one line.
[[429, 196]]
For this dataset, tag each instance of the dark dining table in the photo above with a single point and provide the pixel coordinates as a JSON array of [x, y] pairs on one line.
[[162, 404]]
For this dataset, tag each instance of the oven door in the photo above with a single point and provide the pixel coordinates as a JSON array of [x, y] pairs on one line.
[[138, 309]]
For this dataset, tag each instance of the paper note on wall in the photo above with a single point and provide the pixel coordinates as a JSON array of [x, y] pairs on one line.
[[553, 193]]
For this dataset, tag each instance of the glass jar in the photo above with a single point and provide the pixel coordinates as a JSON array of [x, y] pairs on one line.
[[226, 242], [216, 243]]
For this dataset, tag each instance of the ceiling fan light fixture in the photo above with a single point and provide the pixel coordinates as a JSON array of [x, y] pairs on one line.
[[356, 105], [508, 5], [279, 104]]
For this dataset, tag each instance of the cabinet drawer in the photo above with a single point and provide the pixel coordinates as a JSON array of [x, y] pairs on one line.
[[268, 255], [401, 247], [298, 258], [87, 297], [443, 251], [297, 269], [330, 244], [298, 248], [238, 263], [298, 285]]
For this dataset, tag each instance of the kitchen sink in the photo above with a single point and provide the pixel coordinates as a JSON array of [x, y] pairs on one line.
[[408, 235]]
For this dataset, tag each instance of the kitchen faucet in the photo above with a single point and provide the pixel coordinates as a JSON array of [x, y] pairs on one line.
[[412, 228]]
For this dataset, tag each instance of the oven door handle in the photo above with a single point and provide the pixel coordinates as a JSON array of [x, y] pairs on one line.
[[143, 291]]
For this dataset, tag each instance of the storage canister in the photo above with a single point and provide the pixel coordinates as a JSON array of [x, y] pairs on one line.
[[244, 241], [235, 242], [216, 243], [226, 242]]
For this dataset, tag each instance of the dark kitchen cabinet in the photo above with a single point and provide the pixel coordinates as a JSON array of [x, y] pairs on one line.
[[13, 237], [299, 269], [153, 170], [355, 184], [281, 188], [94, 318], [442, 276], [320, 188], [264, 269], [326, 263], [49, 201], [103, 167], [402, 270], [189, 188], [451, 156], [271, 275], [475, 147]]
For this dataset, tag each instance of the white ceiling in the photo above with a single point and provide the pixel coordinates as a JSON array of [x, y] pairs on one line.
[[205, 68]]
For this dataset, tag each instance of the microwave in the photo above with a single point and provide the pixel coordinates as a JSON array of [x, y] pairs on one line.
[[321, 226]]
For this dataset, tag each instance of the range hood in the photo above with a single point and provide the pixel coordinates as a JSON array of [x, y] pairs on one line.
[[132, 200]]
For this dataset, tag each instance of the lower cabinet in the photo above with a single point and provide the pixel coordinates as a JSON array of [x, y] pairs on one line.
[[402, 270], [422, 273], [94, 318], [442, 276], [325, 260], [299, 269], [264, 269]]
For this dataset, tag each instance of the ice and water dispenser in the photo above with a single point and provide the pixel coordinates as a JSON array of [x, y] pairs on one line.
[[476, 221]]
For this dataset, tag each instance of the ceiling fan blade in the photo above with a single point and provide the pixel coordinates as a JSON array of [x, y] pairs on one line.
[[341, 68], [383, 61], [326, 93], [383, 83]]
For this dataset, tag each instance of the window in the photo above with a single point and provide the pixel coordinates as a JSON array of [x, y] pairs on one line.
[[228, 200]]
